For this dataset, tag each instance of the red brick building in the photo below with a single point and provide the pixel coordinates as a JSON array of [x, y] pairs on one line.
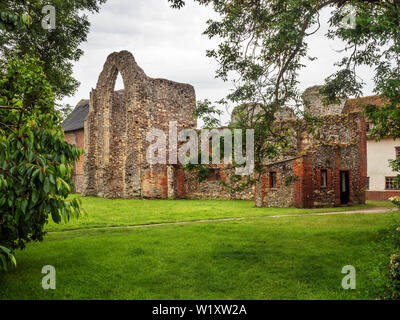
[[74, 134], [324, 170]]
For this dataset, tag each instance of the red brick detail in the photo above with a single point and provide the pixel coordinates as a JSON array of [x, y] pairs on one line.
[[298, 170], [329, 178], [304, 186], [264, 186], [351, 189], [164, 184], [337, 177], [222, 174], [363, 157], [180, 182], [381, 195], [308, 184], [77, 138]]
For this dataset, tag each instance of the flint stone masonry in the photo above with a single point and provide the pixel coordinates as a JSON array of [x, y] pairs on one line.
[[212, 188], [114, 138], [338, 145], [115, 164], [314, 105]]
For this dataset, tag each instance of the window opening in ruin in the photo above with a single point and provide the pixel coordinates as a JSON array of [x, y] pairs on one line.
[[272, 180], [324, 178]]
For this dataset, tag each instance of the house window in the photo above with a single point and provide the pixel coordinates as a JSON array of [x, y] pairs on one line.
[[370, 126], [324, 178], [397, 151], [272, 180], [391, 183], [367, 184]]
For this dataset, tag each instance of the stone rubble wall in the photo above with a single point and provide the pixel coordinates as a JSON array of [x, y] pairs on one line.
[[115, 130], [314, 105], [213, 189], [338, 145], [115, 164]]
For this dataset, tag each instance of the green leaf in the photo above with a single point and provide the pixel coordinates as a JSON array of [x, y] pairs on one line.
[[24, 205], [35, 196], [46, 185], [62, 169], [3, 264]]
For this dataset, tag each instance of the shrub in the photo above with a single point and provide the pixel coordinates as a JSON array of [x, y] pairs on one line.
[[35, 161]]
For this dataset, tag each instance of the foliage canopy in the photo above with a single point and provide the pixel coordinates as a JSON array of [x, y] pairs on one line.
[[264, 45], [58, 48], [35, 161]]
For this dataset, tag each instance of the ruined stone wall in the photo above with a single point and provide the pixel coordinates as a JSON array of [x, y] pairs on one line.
[[314, 105], [115, 164], [117, 124], [213, 189], [283, 194], [338, 145], [76, 138]]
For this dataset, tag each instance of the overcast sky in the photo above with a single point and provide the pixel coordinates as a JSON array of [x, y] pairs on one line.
[[168, 43]]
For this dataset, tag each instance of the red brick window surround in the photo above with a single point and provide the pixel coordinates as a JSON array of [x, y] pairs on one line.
[[273, 180], [324, 178], [214, 175], [391, 183], [397, 152]]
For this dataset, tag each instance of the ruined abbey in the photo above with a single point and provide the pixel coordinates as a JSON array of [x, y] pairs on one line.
[[325, 168]]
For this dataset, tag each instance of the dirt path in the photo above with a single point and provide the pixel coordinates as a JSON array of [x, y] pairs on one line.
[[365, 211]]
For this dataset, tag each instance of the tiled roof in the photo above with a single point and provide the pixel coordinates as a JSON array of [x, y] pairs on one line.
[[357, 105], [77, 118]]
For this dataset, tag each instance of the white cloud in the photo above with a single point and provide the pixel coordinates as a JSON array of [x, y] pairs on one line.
[[168, 43]]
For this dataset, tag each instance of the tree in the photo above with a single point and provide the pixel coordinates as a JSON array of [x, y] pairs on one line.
[[65, 111], [263, 44], [10, 21], [58, 48], [35, 161]]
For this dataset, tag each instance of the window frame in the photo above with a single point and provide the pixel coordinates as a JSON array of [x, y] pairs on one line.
[[273, 180], [324, 182], [390, 185], [369, 126], [397, 152]]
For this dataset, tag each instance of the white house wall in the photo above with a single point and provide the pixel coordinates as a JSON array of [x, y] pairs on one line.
[[378, 156]]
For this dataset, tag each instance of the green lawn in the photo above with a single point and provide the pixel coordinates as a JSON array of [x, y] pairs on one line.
[[258, 258], [118, 212]]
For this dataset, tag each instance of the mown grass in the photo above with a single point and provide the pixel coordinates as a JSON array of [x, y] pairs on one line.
[[261, 258], [119, 212]]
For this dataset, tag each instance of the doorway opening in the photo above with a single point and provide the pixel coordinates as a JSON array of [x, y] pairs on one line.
[[344, 187]]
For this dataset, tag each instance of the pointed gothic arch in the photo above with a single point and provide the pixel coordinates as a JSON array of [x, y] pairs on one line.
[[116, 127]]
